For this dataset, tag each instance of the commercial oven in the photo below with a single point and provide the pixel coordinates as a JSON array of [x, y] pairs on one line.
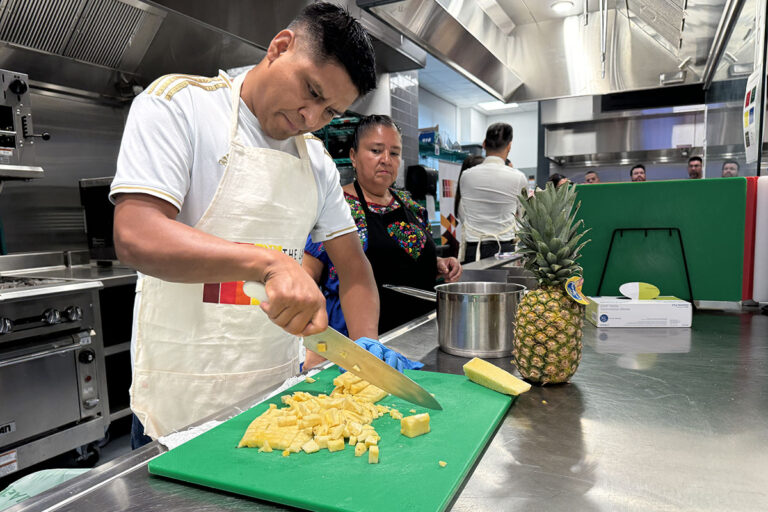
[[52, 380]]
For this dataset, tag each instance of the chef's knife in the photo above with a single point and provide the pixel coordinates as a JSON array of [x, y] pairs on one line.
[[347, 354]]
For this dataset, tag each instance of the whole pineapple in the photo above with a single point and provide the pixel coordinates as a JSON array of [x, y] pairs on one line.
[[547, 346]]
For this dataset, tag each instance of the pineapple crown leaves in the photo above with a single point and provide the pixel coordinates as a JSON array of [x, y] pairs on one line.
[[550, 236]]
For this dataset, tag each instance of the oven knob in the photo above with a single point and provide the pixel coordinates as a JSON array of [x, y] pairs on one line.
[[86, 356], [18, 86], [6, 325], [51, 316], [91, 403], [73, 313]]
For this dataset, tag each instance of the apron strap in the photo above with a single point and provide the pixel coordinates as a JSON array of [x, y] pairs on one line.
[[235, 97]]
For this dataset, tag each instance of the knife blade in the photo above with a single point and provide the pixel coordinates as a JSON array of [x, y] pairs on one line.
[[346, 353], [353, 358]]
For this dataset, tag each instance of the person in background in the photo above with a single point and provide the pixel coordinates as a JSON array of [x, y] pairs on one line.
[[490, 198], [469, 162], [694, 168], [591, 177], [558, 180], [637, 173], [393, 230], [218, 182], [730, 169]]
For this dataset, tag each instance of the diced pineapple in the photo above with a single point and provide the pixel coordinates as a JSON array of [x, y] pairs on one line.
[[309, 380], [310, 446], [373, 455], [335, 445], [412, 411], [265, 447], [322, 346], [416, 425], [355, 367], [286, 421], [395, 414], [322, 441], [493, 377], [371, 441], [286, 453], [352, 440], [442, 463], [360, 448]]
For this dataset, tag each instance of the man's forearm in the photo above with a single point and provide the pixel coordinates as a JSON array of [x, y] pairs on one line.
[[170, 250]]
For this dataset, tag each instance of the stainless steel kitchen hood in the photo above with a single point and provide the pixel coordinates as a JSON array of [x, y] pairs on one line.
[[645, 43], [113, 47]]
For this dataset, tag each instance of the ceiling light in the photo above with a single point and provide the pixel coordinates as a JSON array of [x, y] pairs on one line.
[[496, 105], [561, 6]]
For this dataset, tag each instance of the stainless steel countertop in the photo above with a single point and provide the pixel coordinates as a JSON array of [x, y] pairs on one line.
[[654, 420], [109, 276]]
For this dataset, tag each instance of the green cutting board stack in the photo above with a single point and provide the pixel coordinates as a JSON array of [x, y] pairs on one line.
[[407, 477]]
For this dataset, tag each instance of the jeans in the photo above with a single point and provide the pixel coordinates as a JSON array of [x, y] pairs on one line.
[[138, 438]]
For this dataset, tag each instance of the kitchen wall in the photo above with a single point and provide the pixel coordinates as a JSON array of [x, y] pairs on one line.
[[434, 110], [524, 139]]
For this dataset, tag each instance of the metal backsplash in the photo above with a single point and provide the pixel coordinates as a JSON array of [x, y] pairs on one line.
[[45, 214]]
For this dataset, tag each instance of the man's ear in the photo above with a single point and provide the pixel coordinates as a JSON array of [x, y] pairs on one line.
[[281, 43]]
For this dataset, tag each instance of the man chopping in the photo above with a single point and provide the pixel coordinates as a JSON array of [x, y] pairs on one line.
[[218, 182]]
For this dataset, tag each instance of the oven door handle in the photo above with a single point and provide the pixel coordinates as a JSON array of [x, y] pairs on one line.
[[46, 353]]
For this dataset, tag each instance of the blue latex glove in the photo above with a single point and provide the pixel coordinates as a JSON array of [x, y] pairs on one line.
[[394, 359]]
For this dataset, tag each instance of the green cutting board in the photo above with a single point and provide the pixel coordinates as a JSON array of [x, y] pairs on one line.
[[407, 477]]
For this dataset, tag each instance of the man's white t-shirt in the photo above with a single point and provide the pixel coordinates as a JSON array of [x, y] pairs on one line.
[[490, 195], [175, 144]]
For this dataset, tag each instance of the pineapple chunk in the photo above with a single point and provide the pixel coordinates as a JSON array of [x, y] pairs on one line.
[[322, 441], [309, 380], [360, 448], [416, 425], [352, 440], [373, 455], [265, 447], [372, 441], [286, 453], [493, 377], [335, 445], [322, 347], [442, 463], [310, 446]]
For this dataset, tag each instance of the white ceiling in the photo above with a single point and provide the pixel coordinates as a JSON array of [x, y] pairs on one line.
[[449, 85]]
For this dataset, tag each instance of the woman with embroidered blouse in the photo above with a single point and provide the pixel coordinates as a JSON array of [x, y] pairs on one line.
[[394, 231]]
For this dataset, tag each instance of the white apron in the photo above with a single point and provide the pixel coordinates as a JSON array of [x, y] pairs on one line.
[[200, 347], [481, 236]]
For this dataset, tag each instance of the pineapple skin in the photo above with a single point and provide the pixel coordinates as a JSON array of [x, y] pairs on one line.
[[547, 346]]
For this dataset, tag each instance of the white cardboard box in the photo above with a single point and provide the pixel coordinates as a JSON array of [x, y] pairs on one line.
[[623, 312]]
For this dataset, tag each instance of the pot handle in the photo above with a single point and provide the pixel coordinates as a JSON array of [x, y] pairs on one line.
[[413, 292]]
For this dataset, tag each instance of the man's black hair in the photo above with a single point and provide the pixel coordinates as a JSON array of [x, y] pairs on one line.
[[555, 178], [695, 158], [636, 166], [498, 136], [591, 172], [333, 34], [734, 162], [369, 122]]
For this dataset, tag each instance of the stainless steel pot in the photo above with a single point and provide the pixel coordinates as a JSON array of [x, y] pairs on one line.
[[473, 318]]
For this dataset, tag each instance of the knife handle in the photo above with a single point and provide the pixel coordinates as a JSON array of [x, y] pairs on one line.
[[255, 290]]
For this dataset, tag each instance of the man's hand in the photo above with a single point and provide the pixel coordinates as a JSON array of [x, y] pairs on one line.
[[294, 302], [449, 268]]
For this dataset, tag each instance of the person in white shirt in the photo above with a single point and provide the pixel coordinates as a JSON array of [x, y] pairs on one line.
[[490, 198], [219, 182]]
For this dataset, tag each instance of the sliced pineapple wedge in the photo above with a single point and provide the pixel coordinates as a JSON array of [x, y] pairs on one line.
[[493, 377]]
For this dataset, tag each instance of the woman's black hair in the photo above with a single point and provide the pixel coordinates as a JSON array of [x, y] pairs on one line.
[[333, 33], [555, 178], [368, 123], [470, 161]]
